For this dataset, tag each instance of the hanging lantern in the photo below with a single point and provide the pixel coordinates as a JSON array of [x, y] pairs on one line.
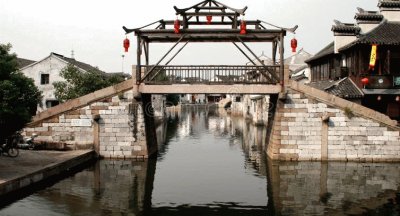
[[126, 44], [365, 81], [243, 27], [379, 98], [397, 98], [209, 18], [177, 25], [293, 44], [372, 59]]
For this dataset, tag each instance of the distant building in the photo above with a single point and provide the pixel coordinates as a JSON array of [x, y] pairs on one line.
[[47, 71], [24, 62], [348, 59], [297, 60]]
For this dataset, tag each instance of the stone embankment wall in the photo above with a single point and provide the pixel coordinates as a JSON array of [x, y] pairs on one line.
[[115, 124], [313, 125], [254, 107], [109, 120]]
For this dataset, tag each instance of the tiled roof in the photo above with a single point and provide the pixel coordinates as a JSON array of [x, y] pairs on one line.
[[344, 88], [389, 3], [346, 28], [328, 50], [368, 16], [298, 57], [24, 62], [299, 77], [387, 33], [78, 64]]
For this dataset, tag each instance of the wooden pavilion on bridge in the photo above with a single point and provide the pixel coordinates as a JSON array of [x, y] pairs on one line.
[[210, 21]]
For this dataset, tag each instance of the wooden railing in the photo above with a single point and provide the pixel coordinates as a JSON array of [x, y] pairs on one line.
[[221, 74]]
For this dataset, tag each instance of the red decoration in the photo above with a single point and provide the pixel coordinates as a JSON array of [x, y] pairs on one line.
[[243, 27], [209, 18], [177, 25], [365, 81], [293, 44], [126, 44]]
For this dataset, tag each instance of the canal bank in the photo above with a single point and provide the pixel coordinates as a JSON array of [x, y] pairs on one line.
[[33, 167]]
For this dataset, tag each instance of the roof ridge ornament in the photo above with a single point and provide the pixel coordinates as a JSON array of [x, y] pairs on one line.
[[204, 4], [292, 30]]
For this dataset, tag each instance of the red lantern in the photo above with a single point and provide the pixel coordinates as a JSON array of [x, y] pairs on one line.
[[365, 81], [177, 25], [293, 44], [243, 27], [209, 18], [126, 44]]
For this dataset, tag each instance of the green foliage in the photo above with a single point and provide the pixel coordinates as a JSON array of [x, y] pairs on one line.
[[348, 112], [80, 83], [172, 99], [18, 94]]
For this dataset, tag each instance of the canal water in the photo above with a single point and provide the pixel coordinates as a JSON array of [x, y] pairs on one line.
[[211, 163]]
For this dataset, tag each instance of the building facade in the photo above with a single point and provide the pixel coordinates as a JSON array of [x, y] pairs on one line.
[[47, 71], [368, 53]]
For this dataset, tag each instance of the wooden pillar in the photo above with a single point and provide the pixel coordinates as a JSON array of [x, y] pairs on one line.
[[147, 52], [138, 60], [281, 51], [274, 44]]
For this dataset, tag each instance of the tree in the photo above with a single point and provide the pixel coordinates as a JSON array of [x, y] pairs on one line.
[[19, 96], [78, 83]]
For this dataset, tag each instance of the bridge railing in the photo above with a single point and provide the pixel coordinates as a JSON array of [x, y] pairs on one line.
[[221, 74]]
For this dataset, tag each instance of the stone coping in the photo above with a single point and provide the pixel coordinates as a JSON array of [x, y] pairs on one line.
[[341, 103], [83, 101], [32, 167]]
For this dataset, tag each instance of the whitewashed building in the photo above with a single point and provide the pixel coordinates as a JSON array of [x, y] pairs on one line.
[[47, 71]]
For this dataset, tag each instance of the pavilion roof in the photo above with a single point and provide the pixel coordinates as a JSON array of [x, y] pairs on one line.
[[224, 27]]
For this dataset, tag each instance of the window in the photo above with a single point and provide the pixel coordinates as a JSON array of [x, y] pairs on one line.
[[44, 79], [51, 103]]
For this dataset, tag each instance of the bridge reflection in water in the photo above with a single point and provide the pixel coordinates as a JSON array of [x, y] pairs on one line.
[[213, 164]]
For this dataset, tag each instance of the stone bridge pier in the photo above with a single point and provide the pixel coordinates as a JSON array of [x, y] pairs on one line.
[[118, 122]]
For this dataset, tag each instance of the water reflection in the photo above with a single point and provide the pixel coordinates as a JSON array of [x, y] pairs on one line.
[[210, 163], [334, 188]]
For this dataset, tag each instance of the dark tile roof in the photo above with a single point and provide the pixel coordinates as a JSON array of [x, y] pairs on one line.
[[299, 77], [24, 62], [78, 64], [389, 3], [386, 33], [298, 69], [368, 17], [344, 88], [348, 28], [328, 50]]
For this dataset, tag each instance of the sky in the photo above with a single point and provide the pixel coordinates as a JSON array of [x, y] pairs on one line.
[[93, 28]]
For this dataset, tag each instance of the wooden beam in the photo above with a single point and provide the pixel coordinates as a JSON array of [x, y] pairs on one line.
[[209, 89], [209, 14], [171, 59], [148, 73], [244, 53], [258, 59], [211, 8]]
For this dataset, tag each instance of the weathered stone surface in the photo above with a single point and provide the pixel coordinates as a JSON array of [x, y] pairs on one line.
[[368, 136]]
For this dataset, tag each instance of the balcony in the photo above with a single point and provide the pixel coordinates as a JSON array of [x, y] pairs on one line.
[[383, 81]]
